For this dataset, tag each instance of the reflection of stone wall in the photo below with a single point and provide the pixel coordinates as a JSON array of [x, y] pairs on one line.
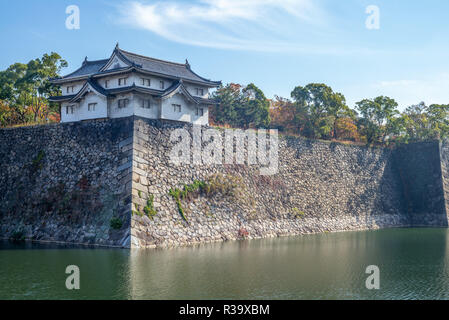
[[66, 182]]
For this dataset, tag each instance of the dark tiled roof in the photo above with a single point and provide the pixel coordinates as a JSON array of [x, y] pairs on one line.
[[139, 62], [61, 98], [88, 68], [177, 87], [94, 86], [135, 88], [97, 87], [173, 69], [206, 101]]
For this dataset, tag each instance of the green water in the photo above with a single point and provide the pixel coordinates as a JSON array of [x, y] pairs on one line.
[[414, 264]]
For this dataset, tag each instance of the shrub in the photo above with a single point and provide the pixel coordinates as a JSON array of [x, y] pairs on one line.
[[37, 164], [18, 235], [116, 223], [227, 185], [298, 213], [243, 233]]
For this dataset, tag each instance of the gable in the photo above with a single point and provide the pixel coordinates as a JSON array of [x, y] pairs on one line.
[[115, 63], [179, 90], [89, 87]]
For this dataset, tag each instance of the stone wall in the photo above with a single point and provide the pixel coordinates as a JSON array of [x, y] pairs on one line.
[[75, 182], [66, 182], [320, 187], [444, 158]]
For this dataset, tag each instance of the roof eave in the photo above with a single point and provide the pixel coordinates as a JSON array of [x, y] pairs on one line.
[[67, 80], [60, 98]]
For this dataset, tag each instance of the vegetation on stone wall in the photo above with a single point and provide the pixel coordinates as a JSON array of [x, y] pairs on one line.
[[116, 223], [37, 163], [66, 201], [217, 184], [18, 235], [298, 214], [148, 209]]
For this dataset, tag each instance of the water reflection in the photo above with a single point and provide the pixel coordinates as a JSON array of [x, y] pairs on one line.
[[413, 263]]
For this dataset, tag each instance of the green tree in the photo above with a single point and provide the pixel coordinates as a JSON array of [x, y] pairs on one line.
[[439, 120], [416, 123], [377, 118], [228, 99], [241, 107], [13, 89], [318, 109], [255, 109], [36, 78], [24, 88]]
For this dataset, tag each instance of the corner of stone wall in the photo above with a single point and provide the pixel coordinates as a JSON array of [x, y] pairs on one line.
[[139, 182], [444, 157], [124, 172]]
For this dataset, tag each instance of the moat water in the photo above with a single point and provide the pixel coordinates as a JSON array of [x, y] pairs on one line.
[[413, 263]]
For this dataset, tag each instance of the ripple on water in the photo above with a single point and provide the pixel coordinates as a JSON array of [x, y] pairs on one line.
[[413, 265]]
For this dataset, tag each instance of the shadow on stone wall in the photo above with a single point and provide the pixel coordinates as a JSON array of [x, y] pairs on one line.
[[419, 168]]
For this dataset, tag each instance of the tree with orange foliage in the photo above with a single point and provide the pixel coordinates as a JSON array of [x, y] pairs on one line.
[[24, 90], [346, 129], [282, 112]]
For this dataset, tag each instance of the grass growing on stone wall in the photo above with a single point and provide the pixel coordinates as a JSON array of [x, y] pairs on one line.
[[149, 208], [37, 164], [177, 194], [225, 185], [298, 214]]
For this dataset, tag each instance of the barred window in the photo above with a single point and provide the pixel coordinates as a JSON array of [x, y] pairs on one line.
[[200, 112], [146, 82], [122, 82], [123, 103], [176, 107], [145, 104], [91, 106], [69, 109]]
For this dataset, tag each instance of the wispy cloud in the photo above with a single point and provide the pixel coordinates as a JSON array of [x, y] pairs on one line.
[[263, 25]]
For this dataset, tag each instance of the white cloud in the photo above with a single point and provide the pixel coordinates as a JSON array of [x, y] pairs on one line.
[[265, 25]]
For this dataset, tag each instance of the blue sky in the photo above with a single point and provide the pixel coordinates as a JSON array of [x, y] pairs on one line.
[[275, 44]]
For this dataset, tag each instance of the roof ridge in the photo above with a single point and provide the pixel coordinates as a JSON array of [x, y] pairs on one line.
[[151, 58], [97, 61]]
